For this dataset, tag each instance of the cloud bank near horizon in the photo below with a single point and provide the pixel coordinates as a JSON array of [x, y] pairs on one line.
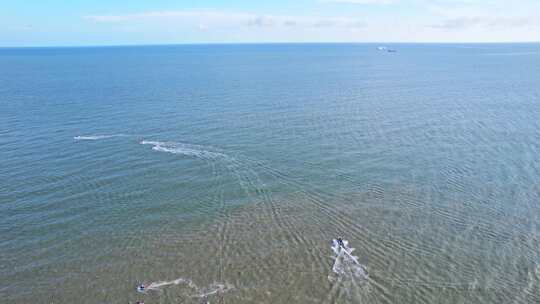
[[321, 21]]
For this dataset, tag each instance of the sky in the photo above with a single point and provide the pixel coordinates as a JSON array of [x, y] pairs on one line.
[[136, 22]]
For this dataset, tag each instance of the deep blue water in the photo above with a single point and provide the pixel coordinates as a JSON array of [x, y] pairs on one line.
[[236, 164]]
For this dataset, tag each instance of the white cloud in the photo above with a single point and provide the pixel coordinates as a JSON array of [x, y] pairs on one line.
[[227, 19], [166, 15], [262, 21], [519, 20], [484, 22], [433, 21]]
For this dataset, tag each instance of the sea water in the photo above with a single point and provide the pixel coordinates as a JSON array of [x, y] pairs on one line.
[[232, 167]]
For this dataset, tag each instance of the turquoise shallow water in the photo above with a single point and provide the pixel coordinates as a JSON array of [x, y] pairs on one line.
[[233, 167]]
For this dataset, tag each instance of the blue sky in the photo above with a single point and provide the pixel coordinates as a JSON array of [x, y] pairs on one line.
[[109, 22]]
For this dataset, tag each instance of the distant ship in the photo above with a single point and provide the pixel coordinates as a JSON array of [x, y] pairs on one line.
[[386, 49]]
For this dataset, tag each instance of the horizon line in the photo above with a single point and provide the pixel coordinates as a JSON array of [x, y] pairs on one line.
[[259, 43]]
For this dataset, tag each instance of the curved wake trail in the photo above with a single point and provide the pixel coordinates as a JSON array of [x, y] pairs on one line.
[[250, 183], [198, 292], [348, 275]]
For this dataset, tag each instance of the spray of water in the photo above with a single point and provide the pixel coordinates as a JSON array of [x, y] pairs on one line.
[[346, 265]]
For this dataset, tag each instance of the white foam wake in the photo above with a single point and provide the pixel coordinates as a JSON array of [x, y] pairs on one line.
[[157, 286], [96, 137], [346, 265], [184, 149], [204, 292], [213, 289]]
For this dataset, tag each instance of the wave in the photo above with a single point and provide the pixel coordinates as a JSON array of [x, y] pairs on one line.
[[184, 149], [205, 292], [96, 137]]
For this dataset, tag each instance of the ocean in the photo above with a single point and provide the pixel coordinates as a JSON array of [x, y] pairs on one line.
[[222, 173]]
